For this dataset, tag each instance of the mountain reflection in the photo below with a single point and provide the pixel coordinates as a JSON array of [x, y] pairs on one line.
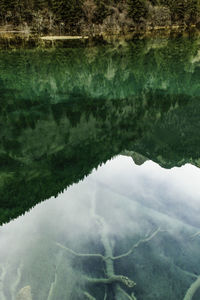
[[63, 112], [122, 233]]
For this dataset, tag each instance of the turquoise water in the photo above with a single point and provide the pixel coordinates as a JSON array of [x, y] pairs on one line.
[[102, 144]]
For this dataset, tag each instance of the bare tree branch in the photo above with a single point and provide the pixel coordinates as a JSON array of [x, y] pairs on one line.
[[186, 272], [113, 279], [145, 240], [80, 254], [133, 296], [195, 234], [52, 287], [3, 270], [90, 297], [130, 297], [16, 282], [108, 257], [105, 295]]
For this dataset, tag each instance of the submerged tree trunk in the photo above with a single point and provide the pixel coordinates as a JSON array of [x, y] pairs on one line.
[[108, 259], [111, 278]]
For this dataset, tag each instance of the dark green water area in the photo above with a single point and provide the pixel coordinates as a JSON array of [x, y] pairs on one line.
[[99, 171]]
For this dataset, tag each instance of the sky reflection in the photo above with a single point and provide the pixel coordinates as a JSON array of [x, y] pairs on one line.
[[130, 202]]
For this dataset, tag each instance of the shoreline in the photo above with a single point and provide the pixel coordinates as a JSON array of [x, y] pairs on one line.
[[3, 29], [13, 39]]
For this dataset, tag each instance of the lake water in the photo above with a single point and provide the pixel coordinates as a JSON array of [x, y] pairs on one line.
[[99, 171]]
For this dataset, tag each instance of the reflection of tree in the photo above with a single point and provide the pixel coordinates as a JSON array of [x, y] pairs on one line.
[[108, 258]]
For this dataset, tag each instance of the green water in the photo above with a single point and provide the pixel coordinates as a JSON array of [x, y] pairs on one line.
[[66, 111]]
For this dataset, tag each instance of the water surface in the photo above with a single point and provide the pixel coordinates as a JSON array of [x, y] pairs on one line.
[[128, 230]]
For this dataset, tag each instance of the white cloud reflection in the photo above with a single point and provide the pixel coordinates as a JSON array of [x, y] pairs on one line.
[[133, 201]]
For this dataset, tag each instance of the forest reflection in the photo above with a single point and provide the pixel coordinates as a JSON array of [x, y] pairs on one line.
[[63, 114]]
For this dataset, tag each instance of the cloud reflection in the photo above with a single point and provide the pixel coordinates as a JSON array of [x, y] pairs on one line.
[[131, 202]]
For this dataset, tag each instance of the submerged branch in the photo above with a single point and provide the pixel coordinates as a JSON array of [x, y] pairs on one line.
[[130, 297], [3, 271], [186, 272], [90, 297], [192, 289], [113, 279], [195, 234], [52, 287], [105, 295], [135, 245], [16, 283], [80, 254]]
